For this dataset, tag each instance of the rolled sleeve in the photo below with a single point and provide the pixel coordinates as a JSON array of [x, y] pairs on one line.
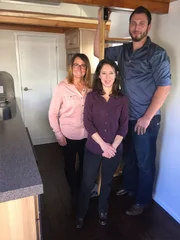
[[113, 52], [54, 111], [161, 68], [123, 121], [88, 115]]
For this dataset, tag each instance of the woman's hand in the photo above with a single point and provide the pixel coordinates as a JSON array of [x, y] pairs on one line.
[[62, 141], [106, 155], [108, 150]]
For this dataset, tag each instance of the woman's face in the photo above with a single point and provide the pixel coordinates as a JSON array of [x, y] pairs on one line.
[[79, 68], [107, 76]]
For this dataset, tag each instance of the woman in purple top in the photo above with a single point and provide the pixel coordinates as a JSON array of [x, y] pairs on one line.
[[106, 121]]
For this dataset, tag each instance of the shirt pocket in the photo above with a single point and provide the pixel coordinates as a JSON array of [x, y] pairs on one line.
[[72, 100]]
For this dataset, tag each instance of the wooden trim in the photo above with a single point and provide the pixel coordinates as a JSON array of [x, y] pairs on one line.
[[102, 36], [101, 56], [117, 40], [48, 20], [165, 1], [37, 216], [32, 28]]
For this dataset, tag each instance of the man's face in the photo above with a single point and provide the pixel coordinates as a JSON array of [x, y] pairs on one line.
[[138, 27]]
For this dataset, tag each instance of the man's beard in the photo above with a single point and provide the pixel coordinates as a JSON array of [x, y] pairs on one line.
[[138, 39]]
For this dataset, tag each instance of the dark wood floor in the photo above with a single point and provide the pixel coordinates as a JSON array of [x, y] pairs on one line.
[[58, 220]]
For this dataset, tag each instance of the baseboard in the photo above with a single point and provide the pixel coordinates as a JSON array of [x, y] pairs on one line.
[[167, 209], [45, 140]]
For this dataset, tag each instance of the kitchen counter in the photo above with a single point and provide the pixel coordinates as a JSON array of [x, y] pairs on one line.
[[19, 174]]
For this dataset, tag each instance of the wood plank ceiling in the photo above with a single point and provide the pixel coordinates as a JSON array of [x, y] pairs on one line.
[[17, 20], [155, 6]]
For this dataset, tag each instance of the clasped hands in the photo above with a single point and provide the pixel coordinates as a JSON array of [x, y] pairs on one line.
[[108, 150]]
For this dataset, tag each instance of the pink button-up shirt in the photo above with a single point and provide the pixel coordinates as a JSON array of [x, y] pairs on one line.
[[66, 111]]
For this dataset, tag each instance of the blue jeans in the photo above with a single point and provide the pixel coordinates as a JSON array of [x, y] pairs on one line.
[[139, 153]]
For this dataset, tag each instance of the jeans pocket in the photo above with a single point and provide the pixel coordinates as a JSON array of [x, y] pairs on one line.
[[155, 125]]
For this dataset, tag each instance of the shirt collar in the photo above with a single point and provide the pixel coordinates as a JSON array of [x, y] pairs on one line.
[[146, 44]]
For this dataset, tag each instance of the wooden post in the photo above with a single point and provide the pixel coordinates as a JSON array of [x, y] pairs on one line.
[[101, 56], [102, 36]]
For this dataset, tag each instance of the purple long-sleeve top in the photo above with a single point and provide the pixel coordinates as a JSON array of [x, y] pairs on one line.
[[108, 119]]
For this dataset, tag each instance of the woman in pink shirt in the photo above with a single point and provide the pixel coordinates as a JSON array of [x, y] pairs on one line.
[[66, 116]]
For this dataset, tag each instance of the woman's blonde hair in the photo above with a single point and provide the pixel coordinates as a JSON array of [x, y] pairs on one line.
[[87, 76]]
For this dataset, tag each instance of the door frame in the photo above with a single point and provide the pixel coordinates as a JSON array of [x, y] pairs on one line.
[[33, 34]]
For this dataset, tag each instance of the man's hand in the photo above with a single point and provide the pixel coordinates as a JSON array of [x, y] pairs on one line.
[[62, 141], [100, 14], [141, 125]]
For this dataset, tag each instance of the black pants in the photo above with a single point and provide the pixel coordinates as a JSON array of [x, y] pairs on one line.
[[90, 171], [139, 153], [70, 150]]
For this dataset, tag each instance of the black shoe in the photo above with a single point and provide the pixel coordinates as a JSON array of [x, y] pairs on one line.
[[121, 192], [79, 223], [103, 218], [136, 209]]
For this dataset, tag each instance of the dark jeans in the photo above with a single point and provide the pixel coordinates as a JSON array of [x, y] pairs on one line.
[[139, 153], [70, 150], [90, 172]]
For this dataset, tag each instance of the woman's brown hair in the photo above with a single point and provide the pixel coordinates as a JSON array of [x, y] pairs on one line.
[[97, 85], [87, 76]]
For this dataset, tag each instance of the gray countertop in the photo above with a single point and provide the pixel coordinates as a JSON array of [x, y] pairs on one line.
[[19, 174]]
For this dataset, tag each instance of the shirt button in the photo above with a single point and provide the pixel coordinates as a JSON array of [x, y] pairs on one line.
[[105, 122], [105, 130], [106, 114], [130, 61]]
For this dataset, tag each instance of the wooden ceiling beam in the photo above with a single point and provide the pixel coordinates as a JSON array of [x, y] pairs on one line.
[[47, 20], [118, 40], [154, 6], [32, 28]]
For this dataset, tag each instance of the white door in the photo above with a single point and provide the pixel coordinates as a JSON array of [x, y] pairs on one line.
[[37, 58]]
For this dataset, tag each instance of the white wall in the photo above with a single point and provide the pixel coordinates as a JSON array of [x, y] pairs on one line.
[[166, 32], [119, 24], [8, 60]]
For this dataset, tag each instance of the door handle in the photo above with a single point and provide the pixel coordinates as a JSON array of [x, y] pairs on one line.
[[27, 89]]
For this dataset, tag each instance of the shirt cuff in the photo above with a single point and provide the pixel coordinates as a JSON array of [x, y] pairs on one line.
[[58, 135], [122, 133]]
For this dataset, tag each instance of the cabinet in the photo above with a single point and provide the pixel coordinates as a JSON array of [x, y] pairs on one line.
[[19, 219], [72, 39], [81, 41]]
